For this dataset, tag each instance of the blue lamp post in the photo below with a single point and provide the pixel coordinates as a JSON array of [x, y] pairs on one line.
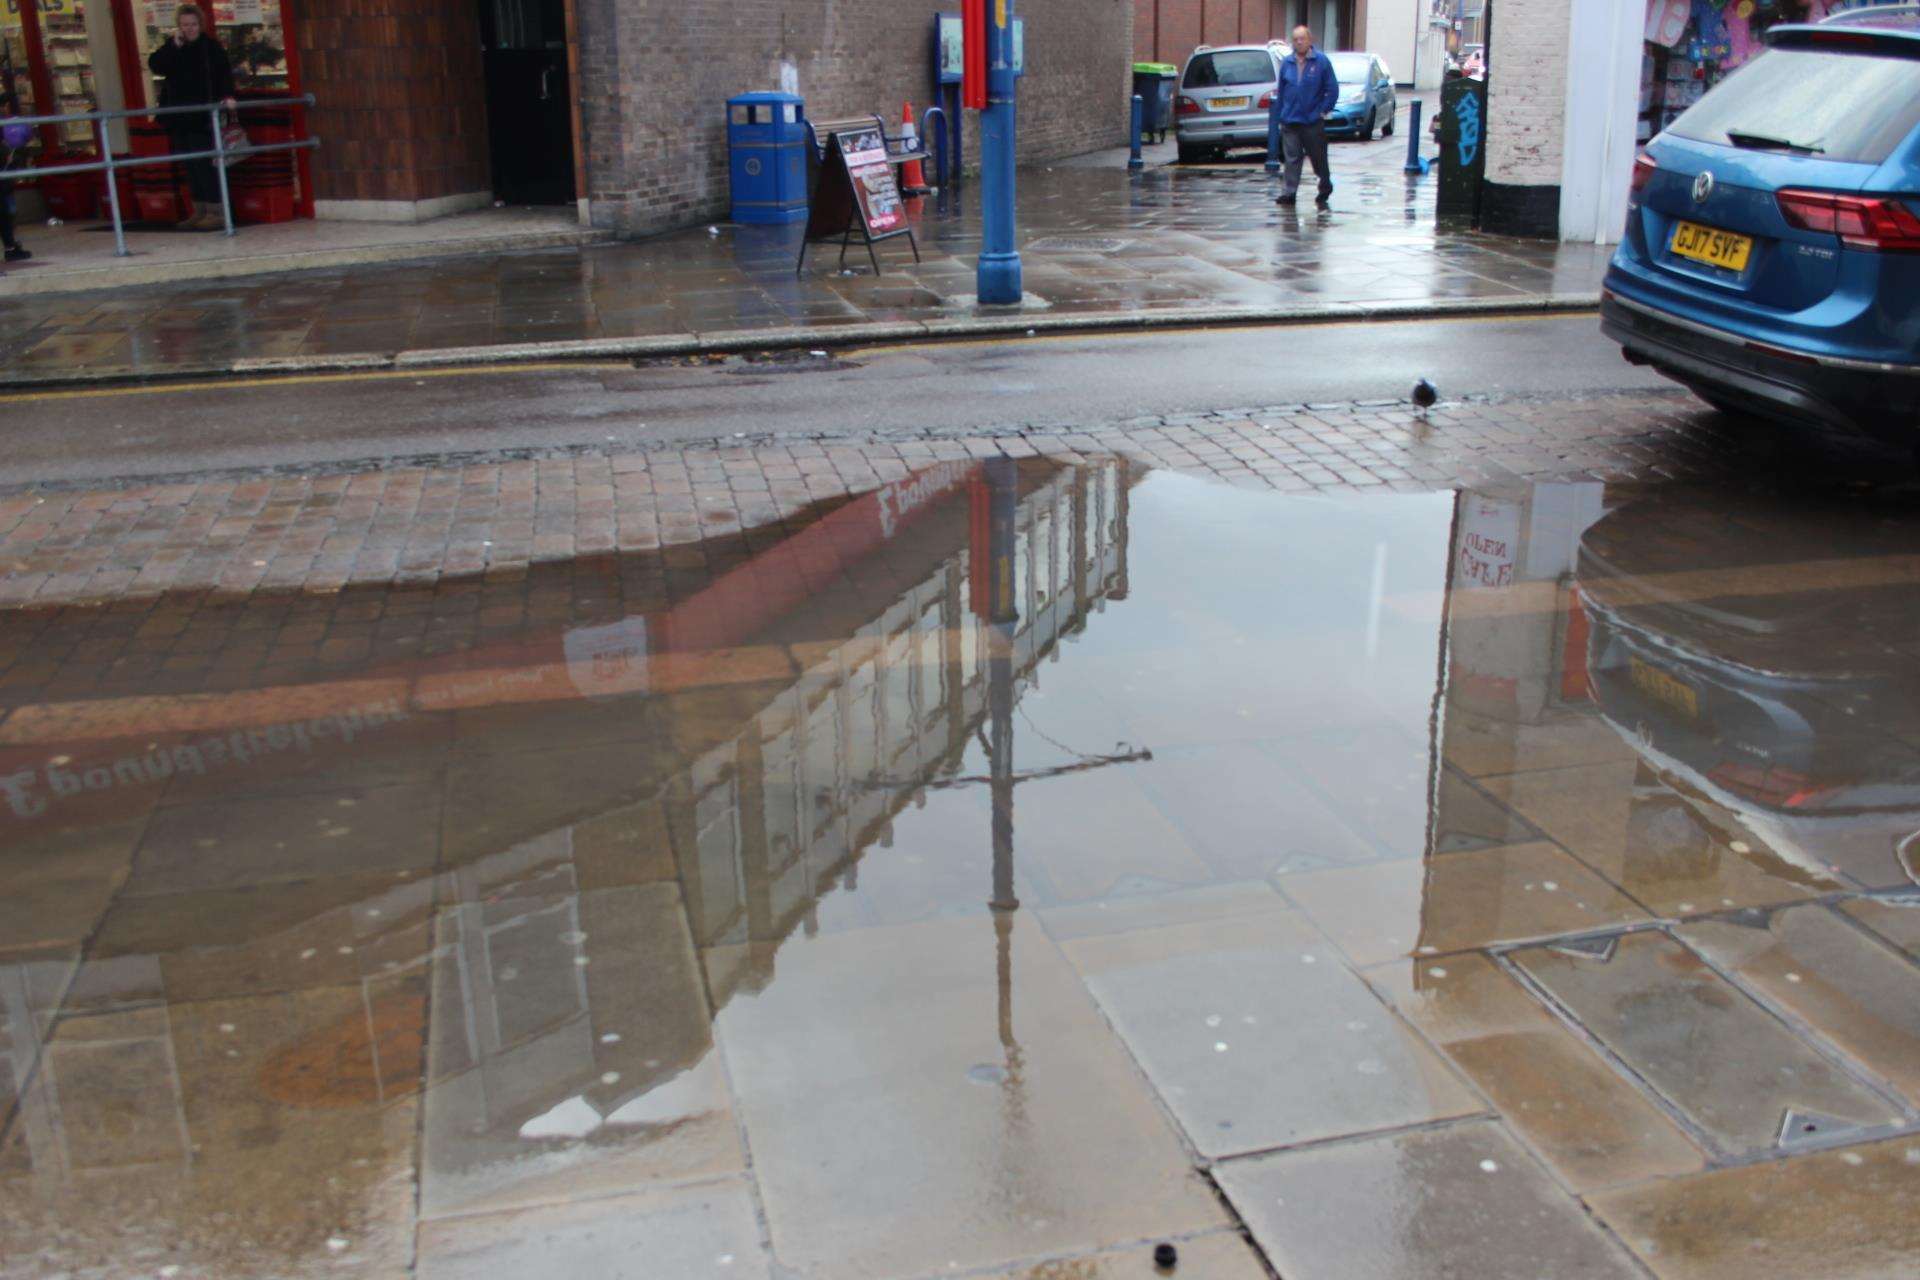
[[999, 272]]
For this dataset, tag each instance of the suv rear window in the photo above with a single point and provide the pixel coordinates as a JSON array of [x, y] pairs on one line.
[[1235, 66], [1844, 105]]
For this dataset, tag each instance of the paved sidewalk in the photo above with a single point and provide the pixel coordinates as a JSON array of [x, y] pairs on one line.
[[1102, 248], [518, 866], [78, 257]]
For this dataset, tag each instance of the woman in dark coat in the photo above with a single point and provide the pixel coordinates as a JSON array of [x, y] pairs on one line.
[[195, 72]]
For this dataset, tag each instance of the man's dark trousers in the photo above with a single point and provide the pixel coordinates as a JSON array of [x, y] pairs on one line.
[[1305, 142]]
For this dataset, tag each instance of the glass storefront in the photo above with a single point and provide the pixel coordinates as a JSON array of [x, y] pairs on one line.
[[251, 31], [61, 56], [73, 56]]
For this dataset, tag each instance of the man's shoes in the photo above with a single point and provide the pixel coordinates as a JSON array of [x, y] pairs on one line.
[[1287, 201], [17, 254], [1325, 198]]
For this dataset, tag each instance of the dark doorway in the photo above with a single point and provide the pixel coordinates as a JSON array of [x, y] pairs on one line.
[[529, 100]]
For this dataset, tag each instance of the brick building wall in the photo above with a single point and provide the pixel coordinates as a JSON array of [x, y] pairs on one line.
[[1526, 116], [400, 107], [654, 80], [1170, 30]]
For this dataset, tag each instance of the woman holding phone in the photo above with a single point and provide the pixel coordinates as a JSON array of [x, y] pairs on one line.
[[194, 72]]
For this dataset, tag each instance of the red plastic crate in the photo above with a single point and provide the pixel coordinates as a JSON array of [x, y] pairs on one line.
[[71, 196], [267, 204]]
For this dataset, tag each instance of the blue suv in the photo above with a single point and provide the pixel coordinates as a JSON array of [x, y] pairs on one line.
[[1771, 261]]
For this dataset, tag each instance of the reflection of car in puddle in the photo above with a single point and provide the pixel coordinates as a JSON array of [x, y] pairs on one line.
[[1763, 657]]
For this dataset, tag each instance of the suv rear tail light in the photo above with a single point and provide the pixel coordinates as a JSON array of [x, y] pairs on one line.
[[1185, 106], [1644, 167], [1266, 100], [1882, 223]]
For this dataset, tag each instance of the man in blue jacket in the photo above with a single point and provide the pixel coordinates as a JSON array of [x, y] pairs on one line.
[[1308, 90]]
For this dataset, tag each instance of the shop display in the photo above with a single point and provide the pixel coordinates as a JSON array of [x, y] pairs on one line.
[[54, 55], [1691, 44], [250, 30]]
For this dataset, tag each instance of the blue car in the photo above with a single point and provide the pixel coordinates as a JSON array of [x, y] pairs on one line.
[[1367, 98], [1771, 260]]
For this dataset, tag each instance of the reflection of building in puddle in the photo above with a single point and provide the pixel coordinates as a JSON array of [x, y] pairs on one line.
[[1513, 649], [636, 814]]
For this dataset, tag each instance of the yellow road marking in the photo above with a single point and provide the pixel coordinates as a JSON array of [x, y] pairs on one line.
[[584, 366], [307, 379], [1237, 326]]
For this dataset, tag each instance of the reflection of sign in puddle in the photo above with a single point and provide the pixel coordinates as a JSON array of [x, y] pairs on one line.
[[609, 659]]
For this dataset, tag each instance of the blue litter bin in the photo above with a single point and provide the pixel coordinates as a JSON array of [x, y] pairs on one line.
[[767, 144]]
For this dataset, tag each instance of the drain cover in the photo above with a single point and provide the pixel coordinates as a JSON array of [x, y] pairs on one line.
[[1798, 1128], [1600, 949], [1079, 244]]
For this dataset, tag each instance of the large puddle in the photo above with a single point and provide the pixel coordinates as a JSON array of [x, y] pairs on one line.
[[978, 872]]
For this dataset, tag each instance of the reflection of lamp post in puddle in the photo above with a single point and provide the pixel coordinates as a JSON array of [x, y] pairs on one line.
[[997, 605], [1003, 616]]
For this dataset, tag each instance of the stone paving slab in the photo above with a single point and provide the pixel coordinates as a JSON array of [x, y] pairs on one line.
[[1739, 1075], [1102, 249], [1459, 1200], [1840, 1215]]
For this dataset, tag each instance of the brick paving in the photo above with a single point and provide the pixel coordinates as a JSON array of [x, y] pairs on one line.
[[318, 531]]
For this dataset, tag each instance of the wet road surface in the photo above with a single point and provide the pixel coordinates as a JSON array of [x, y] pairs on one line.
[[168, 430], [995, 868]]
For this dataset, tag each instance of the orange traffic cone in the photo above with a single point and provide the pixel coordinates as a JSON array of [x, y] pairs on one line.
[[912, 177]]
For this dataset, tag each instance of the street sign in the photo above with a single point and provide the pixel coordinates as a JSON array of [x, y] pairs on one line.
[[950, 48]]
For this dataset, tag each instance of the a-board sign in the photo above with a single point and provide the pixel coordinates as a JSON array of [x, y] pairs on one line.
[[857, 176], [854, 190]]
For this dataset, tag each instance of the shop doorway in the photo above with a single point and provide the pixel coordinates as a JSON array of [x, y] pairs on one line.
[[529, 100]]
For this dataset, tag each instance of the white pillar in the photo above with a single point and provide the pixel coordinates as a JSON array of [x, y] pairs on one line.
[[1390, 34], [1603, 99]]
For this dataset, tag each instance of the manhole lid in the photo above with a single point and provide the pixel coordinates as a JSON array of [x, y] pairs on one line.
[[1079, 244]]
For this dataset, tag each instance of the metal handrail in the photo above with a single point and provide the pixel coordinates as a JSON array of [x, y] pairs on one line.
[[110, 165]]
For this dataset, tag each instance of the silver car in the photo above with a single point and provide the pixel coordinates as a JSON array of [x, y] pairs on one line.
[[1223, 99]]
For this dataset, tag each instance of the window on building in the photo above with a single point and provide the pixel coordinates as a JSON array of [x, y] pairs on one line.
[[251, 31]]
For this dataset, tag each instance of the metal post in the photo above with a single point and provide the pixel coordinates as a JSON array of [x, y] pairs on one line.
[[999, 270], [1413, 140], [113, 188], [1134, 161], [220, 166], [958, 150], [1273, 133], [934, 125]]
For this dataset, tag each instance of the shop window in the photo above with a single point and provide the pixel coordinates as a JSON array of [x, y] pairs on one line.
[[251, 31], [70, 64], [16, 81]]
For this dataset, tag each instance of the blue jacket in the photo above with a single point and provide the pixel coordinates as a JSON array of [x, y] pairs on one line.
[[1307, 96]]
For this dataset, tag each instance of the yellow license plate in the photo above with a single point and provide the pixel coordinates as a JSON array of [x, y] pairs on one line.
[[1230, 104], [1716, 248], [1661, 687]]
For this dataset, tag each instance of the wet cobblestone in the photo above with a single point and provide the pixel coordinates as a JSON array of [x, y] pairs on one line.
[[315, 531]]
